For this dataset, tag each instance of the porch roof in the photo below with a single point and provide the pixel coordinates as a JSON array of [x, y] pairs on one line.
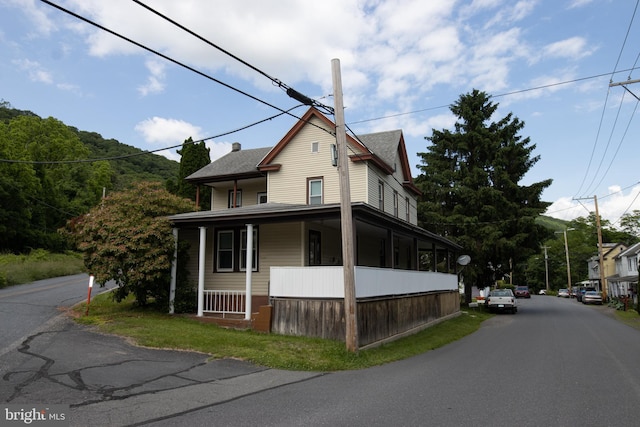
[[280, 212]]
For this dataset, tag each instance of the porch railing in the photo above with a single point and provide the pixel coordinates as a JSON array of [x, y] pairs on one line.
[[224, 302]]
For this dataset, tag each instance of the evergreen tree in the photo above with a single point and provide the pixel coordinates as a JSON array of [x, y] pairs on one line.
[[194, 156], [471, 192]]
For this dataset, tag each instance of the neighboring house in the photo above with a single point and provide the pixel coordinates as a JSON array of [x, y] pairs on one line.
[[273, 233], [625, 281], [609, 253]]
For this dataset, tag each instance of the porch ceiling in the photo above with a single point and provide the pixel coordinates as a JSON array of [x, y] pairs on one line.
[[366, 217]]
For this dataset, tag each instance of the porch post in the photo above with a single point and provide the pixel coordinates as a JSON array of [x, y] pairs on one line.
[[201, 270], [174, 270], [247, 301]]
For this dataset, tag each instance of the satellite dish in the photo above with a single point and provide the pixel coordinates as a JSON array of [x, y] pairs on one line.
[[464, 259]]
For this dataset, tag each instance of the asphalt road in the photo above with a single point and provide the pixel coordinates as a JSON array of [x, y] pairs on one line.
[[555, 363]]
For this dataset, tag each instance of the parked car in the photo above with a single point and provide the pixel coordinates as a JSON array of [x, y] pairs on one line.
[[522, 292], [542, 292], [501, 300], [592, 297], [563, 293], [582, 291]]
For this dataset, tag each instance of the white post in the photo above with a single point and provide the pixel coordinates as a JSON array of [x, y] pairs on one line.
[[247, 301], [174, 272], [201, 269]]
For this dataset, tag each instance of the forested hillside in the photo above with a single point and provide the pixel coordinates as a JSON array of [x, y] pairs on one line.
[[44, 182]]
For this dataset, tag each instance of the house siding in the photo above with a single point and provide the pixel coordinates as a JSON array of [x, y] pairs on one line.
[[250, 190], [391, 183]]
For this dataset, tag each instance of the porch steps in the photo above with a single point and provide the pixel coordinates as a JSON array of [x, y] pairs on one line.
[[260, 321]]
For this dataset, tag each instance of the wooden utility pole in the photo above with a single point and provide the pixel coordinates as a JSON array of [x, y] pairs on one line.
[[603, 287], [346, 217]]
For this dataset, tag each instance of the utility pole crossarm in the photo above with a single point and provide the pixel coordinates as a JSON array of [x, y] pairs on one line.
[[624, 85]]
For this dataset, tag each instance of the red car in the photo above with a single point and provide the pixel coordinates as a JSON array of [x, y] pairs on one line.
[[522, 292]]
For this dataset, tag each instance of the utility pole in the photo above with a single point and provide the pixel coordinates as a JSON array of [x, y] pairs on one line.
[[603, 287], [624, 85], [546, 268], [600, 252], [346, 217]]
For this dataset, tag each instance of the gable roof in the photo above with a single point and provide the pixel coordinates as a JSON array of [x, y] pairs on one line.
[[630, 251], [233, 165], [380, 148]]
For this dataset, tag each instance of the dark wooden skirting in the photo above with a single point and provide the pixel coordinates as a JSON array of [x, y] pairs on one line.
[[379, 319]]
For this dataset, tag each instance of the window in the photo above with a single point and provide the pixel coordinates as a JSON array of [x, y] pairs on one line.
[[408, 212], [243, 250], [231, 250], [238, 199], [315, 147], [395, 203], [314, 188], [225, 251], [262, 198], [315, 248], [381, 195]]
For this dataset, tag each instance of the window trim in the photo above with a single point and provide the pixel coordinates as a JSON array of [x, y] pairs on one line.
[[218, 250], [396, 203], [408, 208], [243, 249], [381, 195], [309, 195], [238, 199], [236, 249]]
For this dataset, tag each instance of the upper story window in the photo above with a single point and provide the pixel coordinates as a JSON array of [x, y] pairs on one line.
[[315, 147], [396, 203], [632, 262], [407, 208], [314, 191], [262, 198], [235, 199], [381, 195]]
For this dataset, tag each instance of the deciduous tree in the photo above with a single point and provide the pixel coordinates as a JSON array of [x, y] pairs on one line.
[[129, 239]]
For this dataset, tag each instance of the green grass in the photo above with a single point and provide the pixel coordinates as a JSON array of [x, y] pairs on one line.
[[148, 328], [39, 264]]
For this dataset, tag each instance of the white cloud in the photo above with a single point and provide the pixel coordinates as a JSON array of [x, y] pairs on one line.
[[168, 131], [35, 71], [611, 206], [155, 82], [573, 48]]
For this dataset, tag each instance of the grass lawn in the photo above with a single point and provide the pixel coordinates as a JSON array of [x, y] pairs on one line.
[[39, 264], [149, 328]]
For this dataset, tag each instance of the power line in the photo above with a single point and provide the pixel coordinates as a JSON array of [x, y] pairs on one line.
[[174, 61], [515, 92], [289, 90], [126, 156]]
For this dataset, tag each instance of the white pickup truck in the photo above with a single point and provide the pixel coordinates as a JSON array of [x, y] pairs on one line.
[[501, 300]]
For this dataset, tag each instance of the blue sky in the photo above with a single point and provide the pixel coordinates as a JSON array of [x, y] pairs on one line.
[[403, 63]]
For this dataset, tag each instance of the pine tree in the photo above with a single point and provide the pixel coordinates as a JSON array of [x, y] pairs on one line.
[[471, 192], [194, 156]]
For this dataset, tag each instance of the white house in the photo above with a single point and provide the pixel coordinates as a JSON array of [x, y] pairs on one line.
[[625, 281], [272, 237]]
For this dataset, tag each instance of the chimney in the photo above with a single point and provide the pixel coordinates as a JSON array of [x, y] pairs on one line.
[[235, 146]]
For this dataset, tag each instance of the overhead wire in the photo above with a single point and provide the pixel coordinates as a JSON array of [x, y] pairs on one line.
[[166, 57], [126, 156], [289, 90], [595, 144]]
